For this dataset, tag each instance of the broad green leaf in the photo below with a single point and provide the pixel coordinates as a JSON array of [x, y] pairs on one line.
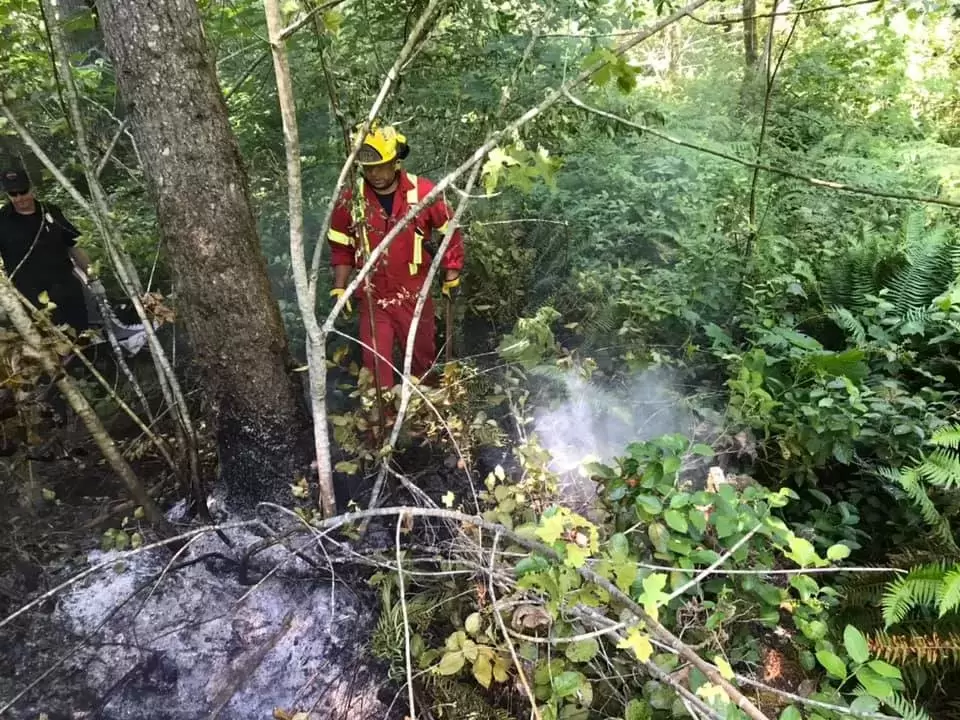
[[832, 664], [877, 686], [483, 670], [676, 520], [865, 704], [551, 528], [802, 552], [451, 663], [649, 503], [619, 547], [582, 650], [838, 552], [884, 669], [532, 564], [791, 713], [856, 645], [473, 623], [576, 556], [566, 683]]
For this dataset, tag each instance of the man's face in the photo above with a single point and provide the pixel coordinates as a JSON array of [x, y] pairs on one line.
[[23, 201], [380, 177]]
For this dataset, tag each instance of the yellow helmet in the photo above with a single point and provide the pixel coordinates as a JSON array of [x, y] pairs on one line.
[[381, 145]]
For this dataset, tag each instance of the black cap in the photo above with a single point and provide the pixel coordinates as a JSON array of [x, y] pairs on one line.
[[14, 181]]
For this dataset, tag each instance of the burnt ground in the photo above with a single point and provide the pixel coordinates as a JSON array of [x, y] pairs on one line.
[[55, 532]]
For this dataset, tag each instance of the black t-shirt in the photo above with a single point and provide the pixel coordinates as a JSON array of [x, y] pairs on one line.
[[386, 202], [35, 250]]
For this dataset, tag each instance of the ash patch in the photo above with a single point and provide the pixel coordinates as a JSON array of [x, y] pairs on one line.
[[196, 642]]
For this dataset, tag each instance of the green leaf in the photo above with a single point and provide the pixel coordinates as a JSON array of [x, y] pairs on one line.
[[638, 710], [791, 713], [865, 704], [619, 547], [833, 664], [649, 503], [676, 520], [802, 552], [346, 467], [451, 663], [856, 645], [473, 623], [576, 556], [582, 651], [702, 450], [877, 686], [884, 669], [566, 683], [551, 528], [726, 672], [838, 552], [532, 564], [483, 670]]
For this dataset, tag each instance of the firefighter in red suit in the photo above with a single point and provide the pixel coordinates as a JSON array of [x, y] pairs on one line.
[[397, 278]]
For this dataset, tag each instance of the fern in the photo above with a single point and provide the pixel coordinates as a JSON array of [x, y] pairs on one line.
[[905, 708], [948, 594], [919, 588], [948, 437], [916, 649], [848, 323], [941, 468]]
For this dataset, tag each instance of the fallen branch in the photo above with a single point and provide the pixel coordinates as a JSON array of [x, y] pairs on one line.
[[816, 182], [655, 628]]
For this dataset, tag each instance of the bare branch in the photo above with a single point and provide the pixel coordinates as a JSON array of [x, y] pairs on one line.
[[406, 622], [786, 13]]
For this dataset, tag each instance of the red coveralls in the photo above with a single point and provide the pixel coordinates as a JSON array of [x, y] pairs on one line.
[[399, 274]]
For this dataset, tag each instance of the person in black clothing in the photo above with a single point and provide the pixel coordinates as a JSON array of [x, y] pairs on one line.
[[39, 247]]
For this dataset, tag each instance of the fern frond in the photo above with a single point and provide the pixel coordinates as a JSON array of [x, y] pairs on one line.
[[909, 480], [905, 707], [917, 649], [917, 589], [948, 594], [948, 436], [941, 468], [848, 323]]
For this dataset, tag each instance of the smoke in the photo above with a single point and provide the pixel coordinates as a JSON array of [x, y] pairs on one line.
[[595, 423]]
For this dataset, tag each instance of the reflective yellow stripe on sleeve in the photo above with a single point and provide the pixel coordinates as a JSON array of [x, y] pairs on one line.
[[339, 237], [413, 194]]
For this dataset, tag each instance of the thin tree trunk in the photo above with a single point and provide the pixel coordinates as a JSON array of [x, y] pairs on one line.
[[51, 365], [195, 172], [750, 35], [316, 346]]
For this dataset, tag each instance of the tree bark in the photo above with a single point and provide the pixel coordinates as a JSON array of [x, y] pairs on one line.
[[196, 175]]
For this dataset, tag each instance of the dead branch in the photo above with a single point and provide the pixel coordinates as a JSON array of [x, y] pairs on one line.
[[786, 13], [51, 365], [816, 182]]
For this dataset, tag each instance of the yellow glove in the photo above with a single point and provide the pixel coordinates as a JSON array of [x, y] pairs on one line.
[[450, 286], [336, 293]]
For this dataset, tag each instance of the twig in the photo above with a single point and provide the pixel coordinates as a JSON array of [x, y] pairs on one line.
[[503, 628], [800, 699], [816, 182], [406, 621], [720, 561], [119, 558], [291, 29], [113, 143], [653, 626], [785, 13]]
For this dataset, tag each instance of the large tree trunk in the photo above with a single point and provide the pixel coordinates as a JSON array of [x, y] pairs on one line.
[[193, 165]]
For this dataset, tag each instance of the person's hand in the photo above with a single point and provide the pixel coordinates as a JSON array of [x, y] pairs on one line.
[[97, 288], [451, 288], [336, 293]]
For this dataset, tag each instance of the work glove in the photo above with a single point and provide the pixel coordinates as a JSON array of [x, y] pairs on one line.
[[451, 288], [335, 294], [97, 288]]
